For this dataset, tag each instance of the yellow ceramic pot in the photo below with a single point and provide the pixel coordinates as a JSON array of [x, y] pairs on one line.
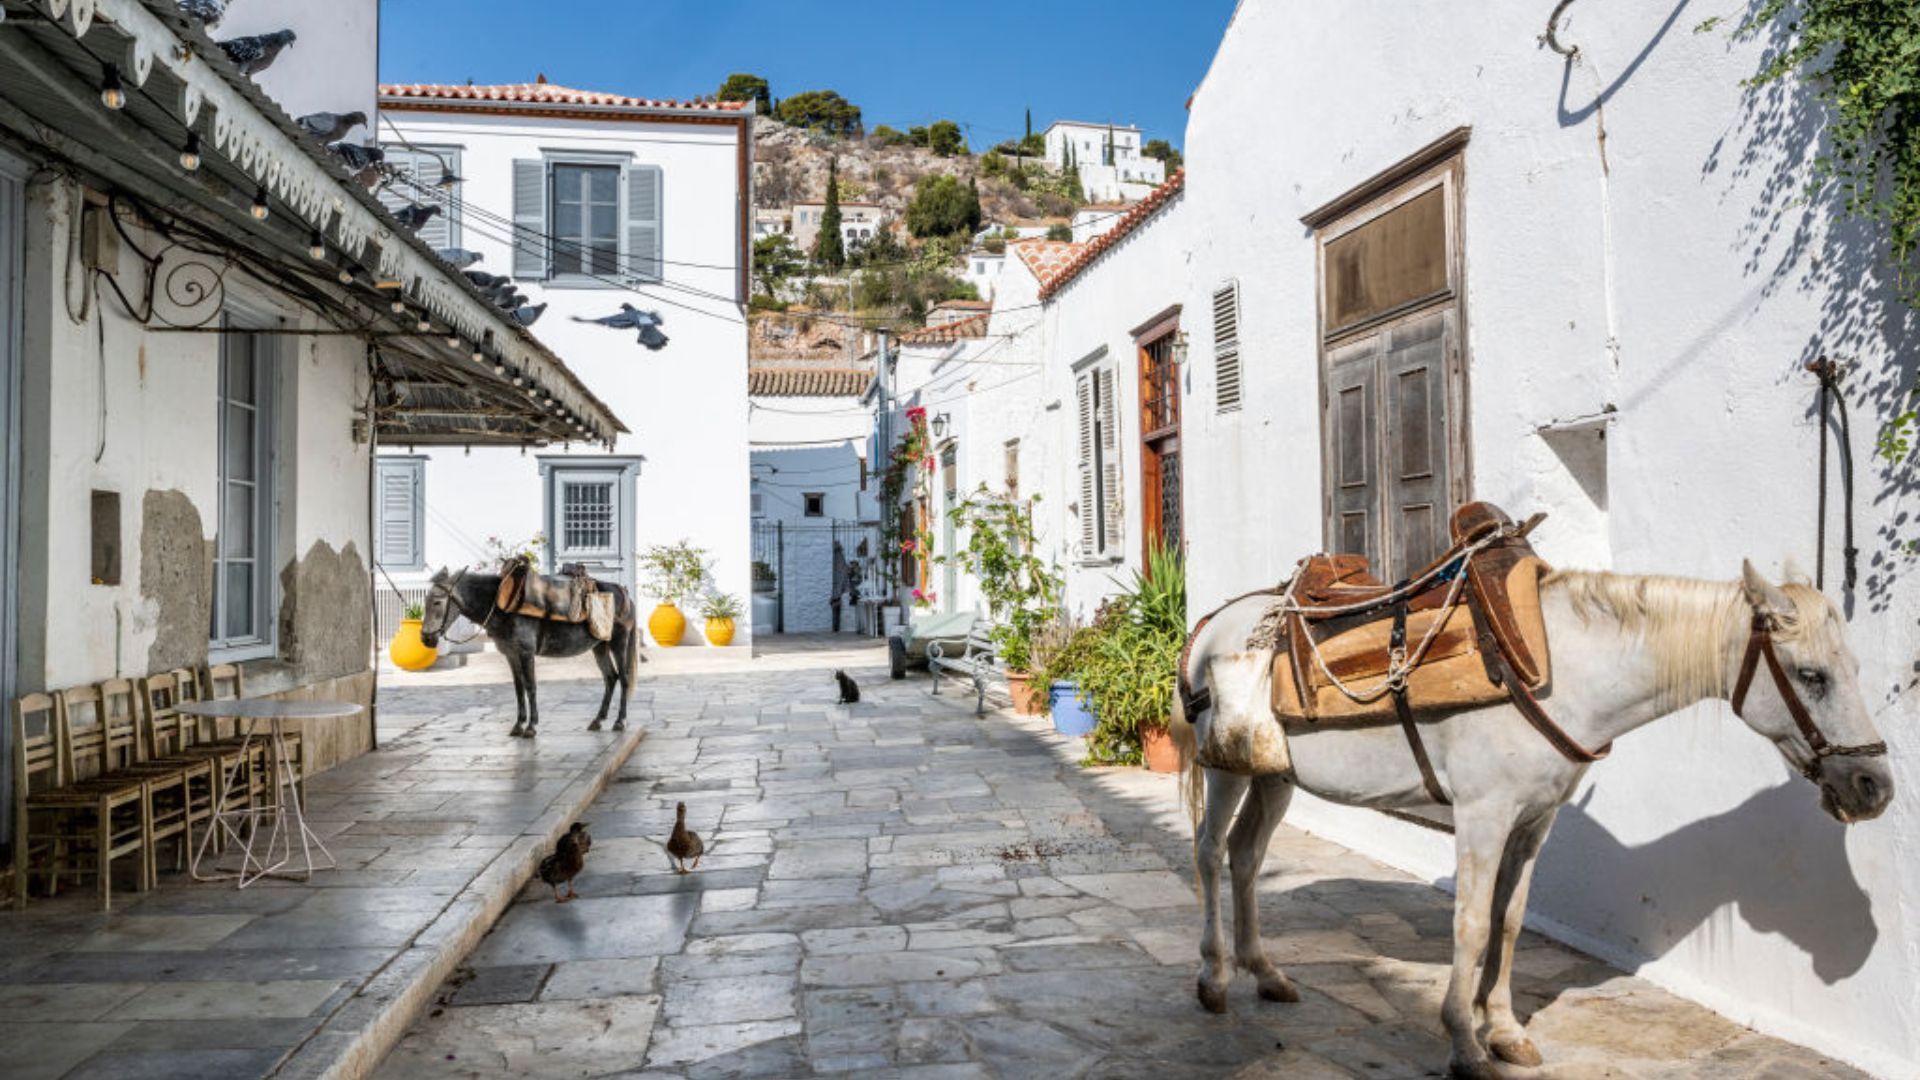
[[667, 625], [720, 631], [408, 651]]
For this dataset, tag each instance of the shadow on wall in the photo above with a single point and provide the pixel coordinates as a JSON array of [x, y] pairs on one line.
[[1776, 859]]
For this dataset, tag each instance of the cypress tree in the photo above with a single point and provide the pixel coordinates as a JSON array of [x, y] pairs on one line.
[[829, 249], [1029, 123]]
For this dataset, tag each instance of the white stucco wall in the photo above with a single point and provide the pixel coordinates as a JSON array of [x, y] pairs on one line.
[[333, 64], [685, 406], [1678, 280], [812, 444]]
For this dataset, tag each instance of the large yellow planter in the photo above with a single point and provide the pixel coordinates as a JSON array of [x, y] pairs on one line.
[[720, 631], [408, 651], [667, 625]]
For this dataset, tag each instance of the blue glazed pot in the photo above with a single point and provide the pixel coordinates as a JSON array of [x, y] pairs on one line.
[[1072, 712]]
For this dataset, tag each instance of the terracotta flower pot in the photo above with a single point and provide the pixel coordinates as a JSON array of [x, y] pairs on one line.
[[409, 653], [1020, 688], [1157, 750], [720, 631], [667, 625]]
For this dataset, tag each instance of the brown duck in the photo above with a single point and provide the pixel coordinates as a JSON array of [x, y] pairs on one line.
[[684, 844], [568, 859]]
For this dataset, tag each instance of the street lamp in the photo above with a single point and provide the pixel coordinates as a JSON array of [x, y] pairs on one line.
[[940, 425], [1179, 348]]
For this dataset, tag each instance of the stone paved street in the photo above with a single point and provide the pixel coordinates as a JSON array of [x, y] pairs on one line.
[[899, 888]]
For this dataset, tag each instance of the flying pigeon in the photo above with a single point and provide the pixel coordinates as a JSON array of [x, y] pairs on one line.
[[328, 127], [459, 258], [253, 55], [527, 316], [413, 215], [484, 280], [207, 13], [630, 317]]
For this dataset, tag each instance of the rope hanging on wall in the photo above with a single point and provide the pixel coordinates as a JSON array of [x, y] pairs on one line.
[[1828, 372]]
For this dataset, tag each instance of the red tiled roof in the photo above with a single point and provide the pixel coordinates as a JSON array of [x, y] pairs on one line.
[[544, 93], [964, 305], [973, 326], [1045, 257], [1090, 251], [807, 381]]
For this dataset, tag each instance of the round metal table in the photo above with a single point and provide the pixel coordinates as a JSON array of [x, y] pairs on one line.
[[282, 818]]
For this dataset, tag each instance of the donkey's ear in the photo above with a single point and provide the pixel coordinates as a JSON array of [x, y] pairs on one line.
[[1766, 597], [440, 576]]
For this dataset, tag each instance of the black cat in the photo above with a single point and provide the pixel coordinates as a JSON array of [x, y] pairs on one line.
[[849, 690]]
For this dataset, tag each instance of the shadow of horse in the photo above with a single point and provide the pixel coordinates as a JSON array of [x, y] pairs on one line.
[[1774, 860]]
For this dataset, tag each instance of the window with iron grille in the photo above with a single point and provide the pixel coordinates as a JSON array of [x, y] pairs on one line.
[[586, 515]]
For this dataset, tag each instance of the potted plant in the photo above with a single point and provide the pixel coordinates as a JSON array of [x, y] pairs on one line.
[[720, 609], [1129, 671], [675, 573], [1020, 588], [409, 653], [1061, 648]]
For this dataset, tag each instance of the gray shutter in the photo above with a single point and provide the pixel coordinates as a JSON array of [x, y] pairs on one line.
[[1089, 496], [530, 219], [644, 199], [1112, 502], [417, 183], [1414, 426], [1226, 348], [1352, 432], [398, 530]]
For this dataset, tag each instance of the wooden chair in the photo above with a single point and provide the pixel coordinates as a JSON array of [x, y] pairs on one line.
[[110, 752], [64, 825], [167, 748], [222, 682]]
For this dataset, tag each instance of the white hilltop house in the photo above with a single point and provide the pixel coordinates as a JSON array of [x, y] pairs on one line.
[[185, 481], [590, 200], [1108, 157]]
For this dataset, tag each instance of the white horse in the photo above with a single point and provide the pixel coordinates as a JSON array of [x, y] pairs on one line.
[[1626, 651]]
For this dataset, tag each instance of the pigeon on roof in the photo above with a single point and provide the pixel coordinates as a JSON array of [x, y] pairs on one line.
[[528, 315], [207, 13], [484, 280], [329, 127], [459, 258], [357, 157], [630, 317], [413, 215], [255, 54]]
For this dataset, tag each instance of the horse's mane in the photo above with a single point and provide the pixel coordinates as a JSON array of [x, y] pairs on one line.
[[1686, 623]]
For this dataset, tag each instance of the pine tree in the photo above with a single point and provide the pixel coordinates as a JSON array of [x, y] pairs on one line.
[[829, 248]]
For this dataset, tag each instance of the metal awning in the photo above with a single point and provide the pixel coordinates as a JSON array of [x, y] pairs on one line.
[[449, 367]]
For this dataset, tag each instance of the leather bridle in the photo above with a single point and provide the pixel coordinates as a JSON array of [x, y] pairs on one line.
[[452, 589], [1760, 644]]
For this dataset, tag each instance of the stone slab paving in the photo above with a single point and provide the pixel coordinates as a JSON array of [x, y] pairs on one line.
[[898, 888], [434, 833]]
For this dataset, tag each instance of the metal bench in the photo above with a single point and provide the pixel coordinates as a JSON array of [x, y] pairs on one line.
[[976, 660]]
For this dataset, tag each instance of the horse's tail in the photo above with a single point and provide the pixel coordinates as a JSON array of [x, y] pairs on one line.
[[1193, 778]]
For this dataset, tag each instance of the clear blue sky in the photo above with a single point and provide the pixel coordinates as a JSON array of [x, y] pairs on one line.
[[906, 62]]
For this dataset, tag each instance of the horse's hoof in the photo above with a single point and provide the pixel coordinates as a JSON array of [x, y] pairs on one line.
[[1518, 1050], [531, 732], [620, 725], [595, 726], [1278, 987], [1483, 1069], [1213, 998], [517, 732]]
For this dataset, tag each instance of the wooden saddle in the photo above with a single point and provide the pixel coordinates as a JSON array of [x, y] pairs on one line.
[[1352, 648], [571, 596]]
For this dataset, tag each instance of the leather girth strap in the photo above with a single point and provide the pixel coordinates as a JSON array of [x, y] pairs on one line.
[[1404, 710]]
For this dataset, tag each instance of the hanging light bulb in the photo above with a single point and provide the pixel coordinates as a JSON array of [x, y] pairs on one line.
[[259, 208], [479, 357], [346, 275], [453, 341], [317, 245], [398, 306], [519, 380], [190, 152], [422, 324], [500, 370], [112, 94]]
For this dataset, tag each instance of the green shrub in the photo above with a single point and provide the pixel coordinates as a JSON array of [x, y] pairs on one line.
[[1125, 662]]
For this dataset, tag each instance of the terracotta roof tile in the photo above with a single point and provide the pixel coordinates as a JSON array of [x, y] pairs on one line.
[[964, 305], [1045, 257], [973, 326], [1091, 251], [544, 93], [807, 381]]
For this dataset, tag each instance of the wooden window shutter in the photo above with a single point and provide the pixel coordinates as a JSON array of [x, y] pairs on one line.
[[399, 530], [1226, 347], [530, 219], [1112, 504], [643, 261], [1089, 495], [418, 185]]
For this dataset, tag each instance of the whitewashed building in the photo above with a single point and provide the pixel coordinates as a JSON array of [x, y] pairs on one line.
[[1108, 157], [197, 367], [982, 270], [814, 496], [1605, 319], [588, 201], [860, 222]]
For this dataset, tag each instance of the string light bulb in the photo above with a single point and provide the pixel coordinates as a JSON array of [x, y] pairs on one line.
[[259, 209], [112, 94], [479, 356], [190, 152], [346, 275], [317, 245], [399, 306], [453, 341]]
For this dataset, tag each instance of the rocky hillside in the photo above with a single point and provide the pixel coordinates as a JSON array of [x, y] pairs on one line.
[[790, 165]]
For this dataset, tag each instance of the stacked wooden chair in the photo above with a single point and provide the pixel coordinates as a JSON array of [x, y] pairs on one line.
[[115, 770]]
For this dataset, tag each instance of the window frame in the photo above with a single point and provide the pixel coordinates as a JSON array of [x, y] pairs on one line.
[[416, 465], [446, 156], [223, 646], [1105, 448], [588, 276], [813, 504], [1441, 164]]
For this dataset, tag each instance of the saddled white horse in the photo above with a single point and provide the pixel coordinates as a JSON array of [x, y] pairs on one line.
[[1626, 651]]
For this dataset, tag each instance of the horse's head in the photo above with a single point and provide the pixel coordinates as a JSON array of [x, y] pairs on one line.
[[439, 608], [1798, 684]]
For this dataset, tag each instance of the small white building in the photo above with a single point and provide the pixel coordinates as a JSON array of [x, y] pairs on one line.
[[770, 223], [1094, 219], [859, 223], [981, 269], [1108, 157], [590, 201]]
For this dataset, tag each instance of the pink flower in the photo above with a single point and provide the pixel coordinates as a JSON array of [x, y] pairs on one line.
[[916, 415], [927, 463], [909, 545]]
